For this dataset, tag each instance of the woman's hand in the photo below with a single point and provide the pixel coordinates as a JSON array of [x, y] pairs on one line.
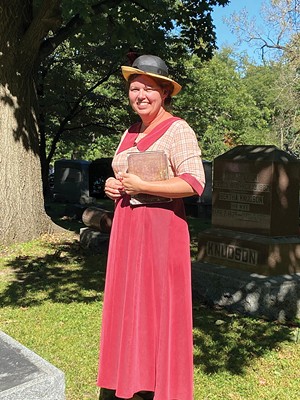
[[174, 187], [132, 184], [113, 188]]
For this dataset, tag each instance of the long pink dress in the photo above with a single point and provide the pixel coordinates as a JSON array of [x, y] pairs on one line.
[[146, 339]]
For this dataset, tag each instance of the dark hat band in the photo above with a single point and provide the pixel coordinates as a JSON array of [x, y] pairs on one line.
[[152, 69], [152, 65]]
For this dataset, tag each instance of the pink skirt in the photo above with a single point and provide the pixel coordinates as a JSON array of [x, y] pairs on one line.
[[146, 339]]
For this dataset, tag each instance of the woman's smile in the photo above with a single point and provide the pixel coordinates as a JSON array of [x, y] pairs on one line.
[[145, 97]]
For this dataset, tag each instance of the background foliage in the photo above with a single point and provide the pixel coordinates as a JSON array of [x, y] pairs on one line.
[[227, 99]]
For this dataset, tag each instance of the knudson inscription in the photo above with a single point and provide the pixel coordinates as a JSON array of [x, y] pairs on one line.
[[232, 252], [242, 197], [243, 186]]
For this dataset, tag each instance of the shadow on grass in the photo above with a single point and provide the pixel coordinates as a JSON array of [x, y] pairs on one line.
[[229, 342], [224, 341], [67, 273]]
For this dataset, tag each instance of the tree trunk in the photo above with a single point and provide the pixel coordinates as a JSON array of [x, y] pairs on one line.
[[22, 216], [22, 213]]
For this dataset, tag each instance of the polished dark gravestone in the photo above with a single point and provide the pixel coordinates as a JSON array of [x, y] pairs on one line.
[[250, 258], [255, 212], [256, 190], [26, 376]]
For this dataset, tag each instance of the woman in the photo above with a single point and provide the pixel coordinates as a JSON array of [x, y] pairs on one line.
[[146, 349]]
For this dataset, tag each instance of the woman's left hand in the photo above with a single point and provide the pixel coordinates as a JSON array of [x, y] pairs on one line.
[[131, 183]]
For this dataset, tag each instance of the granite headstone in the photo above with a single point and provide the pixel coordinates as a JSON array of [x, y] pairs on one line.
[[256, 190], [255, 212]]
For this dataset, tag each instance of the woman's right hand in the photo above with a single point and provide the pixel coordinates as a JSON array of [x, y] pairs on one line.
[[113, 188]]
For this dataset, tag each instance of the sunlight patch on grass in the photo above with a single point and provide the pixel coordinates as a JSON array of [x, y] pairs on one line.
[[66, 335], [51, 295]]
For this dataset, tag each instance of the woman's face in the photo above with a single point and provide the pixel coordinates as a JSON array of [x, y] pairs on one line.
[[146, 97]]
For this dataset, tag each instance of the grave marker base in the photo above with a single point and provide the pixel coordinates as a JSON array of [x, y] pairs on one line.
[[26, 376], [272, 298], [259, 254]]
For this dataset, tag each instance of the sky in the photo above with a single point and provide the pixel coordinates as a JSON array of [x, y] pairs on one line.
[[224, 35]]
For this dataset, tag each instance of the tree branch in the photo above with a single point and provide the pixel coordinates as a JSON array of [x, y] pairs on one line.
[[47, 18], [73, 26], [72, 112], [99, 124]]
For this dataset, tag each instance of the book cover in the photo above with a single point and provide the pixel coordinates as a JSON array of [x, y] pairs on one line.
[[149, 166]]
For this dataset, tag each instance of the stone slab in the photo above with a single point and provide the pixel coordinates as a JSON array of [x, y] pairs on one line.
[[26, 376], [93, 240], [274, 298], [260, 254]]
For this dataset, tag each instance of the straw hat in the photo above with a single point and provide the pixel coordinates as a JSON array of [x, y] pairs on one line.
[[152, 66]]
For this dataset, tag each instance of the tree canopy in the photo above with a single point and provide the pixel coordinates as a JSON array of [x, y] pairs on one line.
[[278, 40], [31, 32], [61, 87], [221, 107]]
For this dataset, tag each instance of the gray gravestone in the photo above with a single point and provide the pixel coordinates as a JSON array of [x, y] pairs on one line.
[[71, 181], [26, 376]]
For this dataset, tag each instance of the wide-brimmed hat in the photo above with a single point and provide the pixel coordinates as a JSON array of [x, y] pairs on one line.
[[153, 66]]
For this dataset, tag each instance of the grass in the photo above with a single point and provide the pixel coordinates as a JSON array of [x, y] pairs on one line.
[[51, 296]]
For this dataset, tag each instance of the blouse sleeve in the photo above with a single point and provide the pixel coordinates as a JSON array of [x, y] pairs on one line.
[[185, 156]]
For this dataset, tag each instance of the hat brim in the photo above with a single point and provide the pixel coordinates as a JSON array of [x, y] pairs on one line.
[[127, 71]]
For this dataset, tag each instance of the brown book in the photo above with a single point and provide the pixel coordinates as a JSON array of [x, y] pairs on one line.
[[149, 166]]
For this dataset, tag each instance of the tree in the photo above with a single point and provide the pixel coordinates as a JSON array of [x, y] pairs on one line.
[[286, 117], [278, 35], [82, 110], [78, 113], [30, 31], [220, 107], [278, 40]]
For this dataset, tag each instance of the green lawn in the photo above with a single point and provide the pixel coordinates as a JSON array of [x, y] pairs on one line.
[[51, 296]]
